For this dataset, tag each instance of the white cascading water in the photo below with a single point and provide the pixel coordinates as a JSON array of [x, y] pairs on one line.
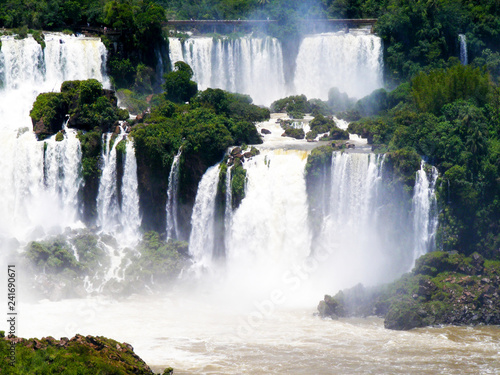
[[269, 232], [62, 174], [26, 71], [202, 238], [463, 49], [228, 214], [350, 235], [252, 66], [424, 211], [131, 217], [108, 208], [172, 197], [351, 62], [362, 239]]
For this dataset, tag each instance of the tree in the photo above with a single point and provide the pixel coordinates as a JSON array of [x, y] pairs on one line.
[[178, 84]]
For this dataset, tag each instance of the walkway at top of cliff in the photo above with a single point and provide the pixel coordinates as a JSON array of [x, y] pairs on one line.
[[338, 23]]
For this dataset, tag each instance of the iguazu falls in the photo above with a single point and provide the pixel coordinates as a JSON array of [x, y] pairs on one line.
[[252, 187]]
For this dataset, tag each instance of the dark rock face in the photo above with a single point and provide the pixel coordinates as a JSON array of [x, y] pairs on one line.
[[443, 288], [265, 131]]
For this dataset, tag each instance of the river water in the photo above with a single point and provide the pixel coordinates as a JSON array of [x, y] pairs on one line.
[[206, 335]]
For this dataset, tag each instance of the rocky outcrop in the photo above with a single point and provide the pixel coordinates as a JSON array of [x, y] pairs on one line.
[[80, 354], [443, 288]]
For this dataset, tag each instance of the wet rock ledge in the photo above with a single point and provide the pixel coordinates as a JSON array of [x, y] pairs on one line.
[[79, 355], [443, 288]]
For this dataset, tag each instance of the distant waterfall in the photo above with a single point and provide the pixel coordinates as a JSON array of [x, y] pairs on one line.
[[202, 238], [463, 49], [424, 211], [252, 66], [172, 197], [27, 186], [351, 62], [255, 66]]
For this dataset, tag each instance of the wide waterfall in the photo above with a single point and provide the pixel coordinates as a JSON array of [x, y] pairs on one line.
[[351, 62], [37, 179], [363, 234], [252, 66], [255, 66]]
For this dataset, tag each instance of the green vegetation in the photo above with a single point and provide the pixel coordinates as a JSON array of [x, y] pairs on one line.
[[91, 146], [79, 355], [52, 256], [443, 288], [212, 121], [178, 85], [63, 262], [155, 262], [449, 117], [294, 106], [86, 102], [321, 124], [238, 182]]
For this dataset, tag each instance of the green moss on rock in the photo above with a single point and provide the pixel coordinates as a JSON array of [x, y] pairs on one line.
[[443, 288], [82, 355]]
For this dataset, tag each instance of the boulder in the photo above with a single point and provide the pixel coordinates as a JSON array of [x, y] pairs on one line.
[[236, 151], [265, 131]]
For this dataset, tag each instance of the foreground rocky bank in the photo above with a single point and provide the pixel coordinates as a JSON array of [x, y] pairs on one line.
[[79, 355], [443, 288]]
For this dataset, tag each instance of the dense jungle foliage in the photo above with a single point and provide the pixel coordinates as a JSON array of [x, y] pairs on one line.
[[450, 117]]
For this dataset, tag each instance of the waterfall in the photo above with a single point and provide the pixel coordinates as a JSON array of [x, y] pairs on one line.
[[202, 238], [424, 211], [62, 173], [352, 231], [248, 65], [255, 66], [463, 49], [108, 206], [172, 197], [270, 229], [27, 185], [228, 214], [351, 62], [365, 230], [131, 218]]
